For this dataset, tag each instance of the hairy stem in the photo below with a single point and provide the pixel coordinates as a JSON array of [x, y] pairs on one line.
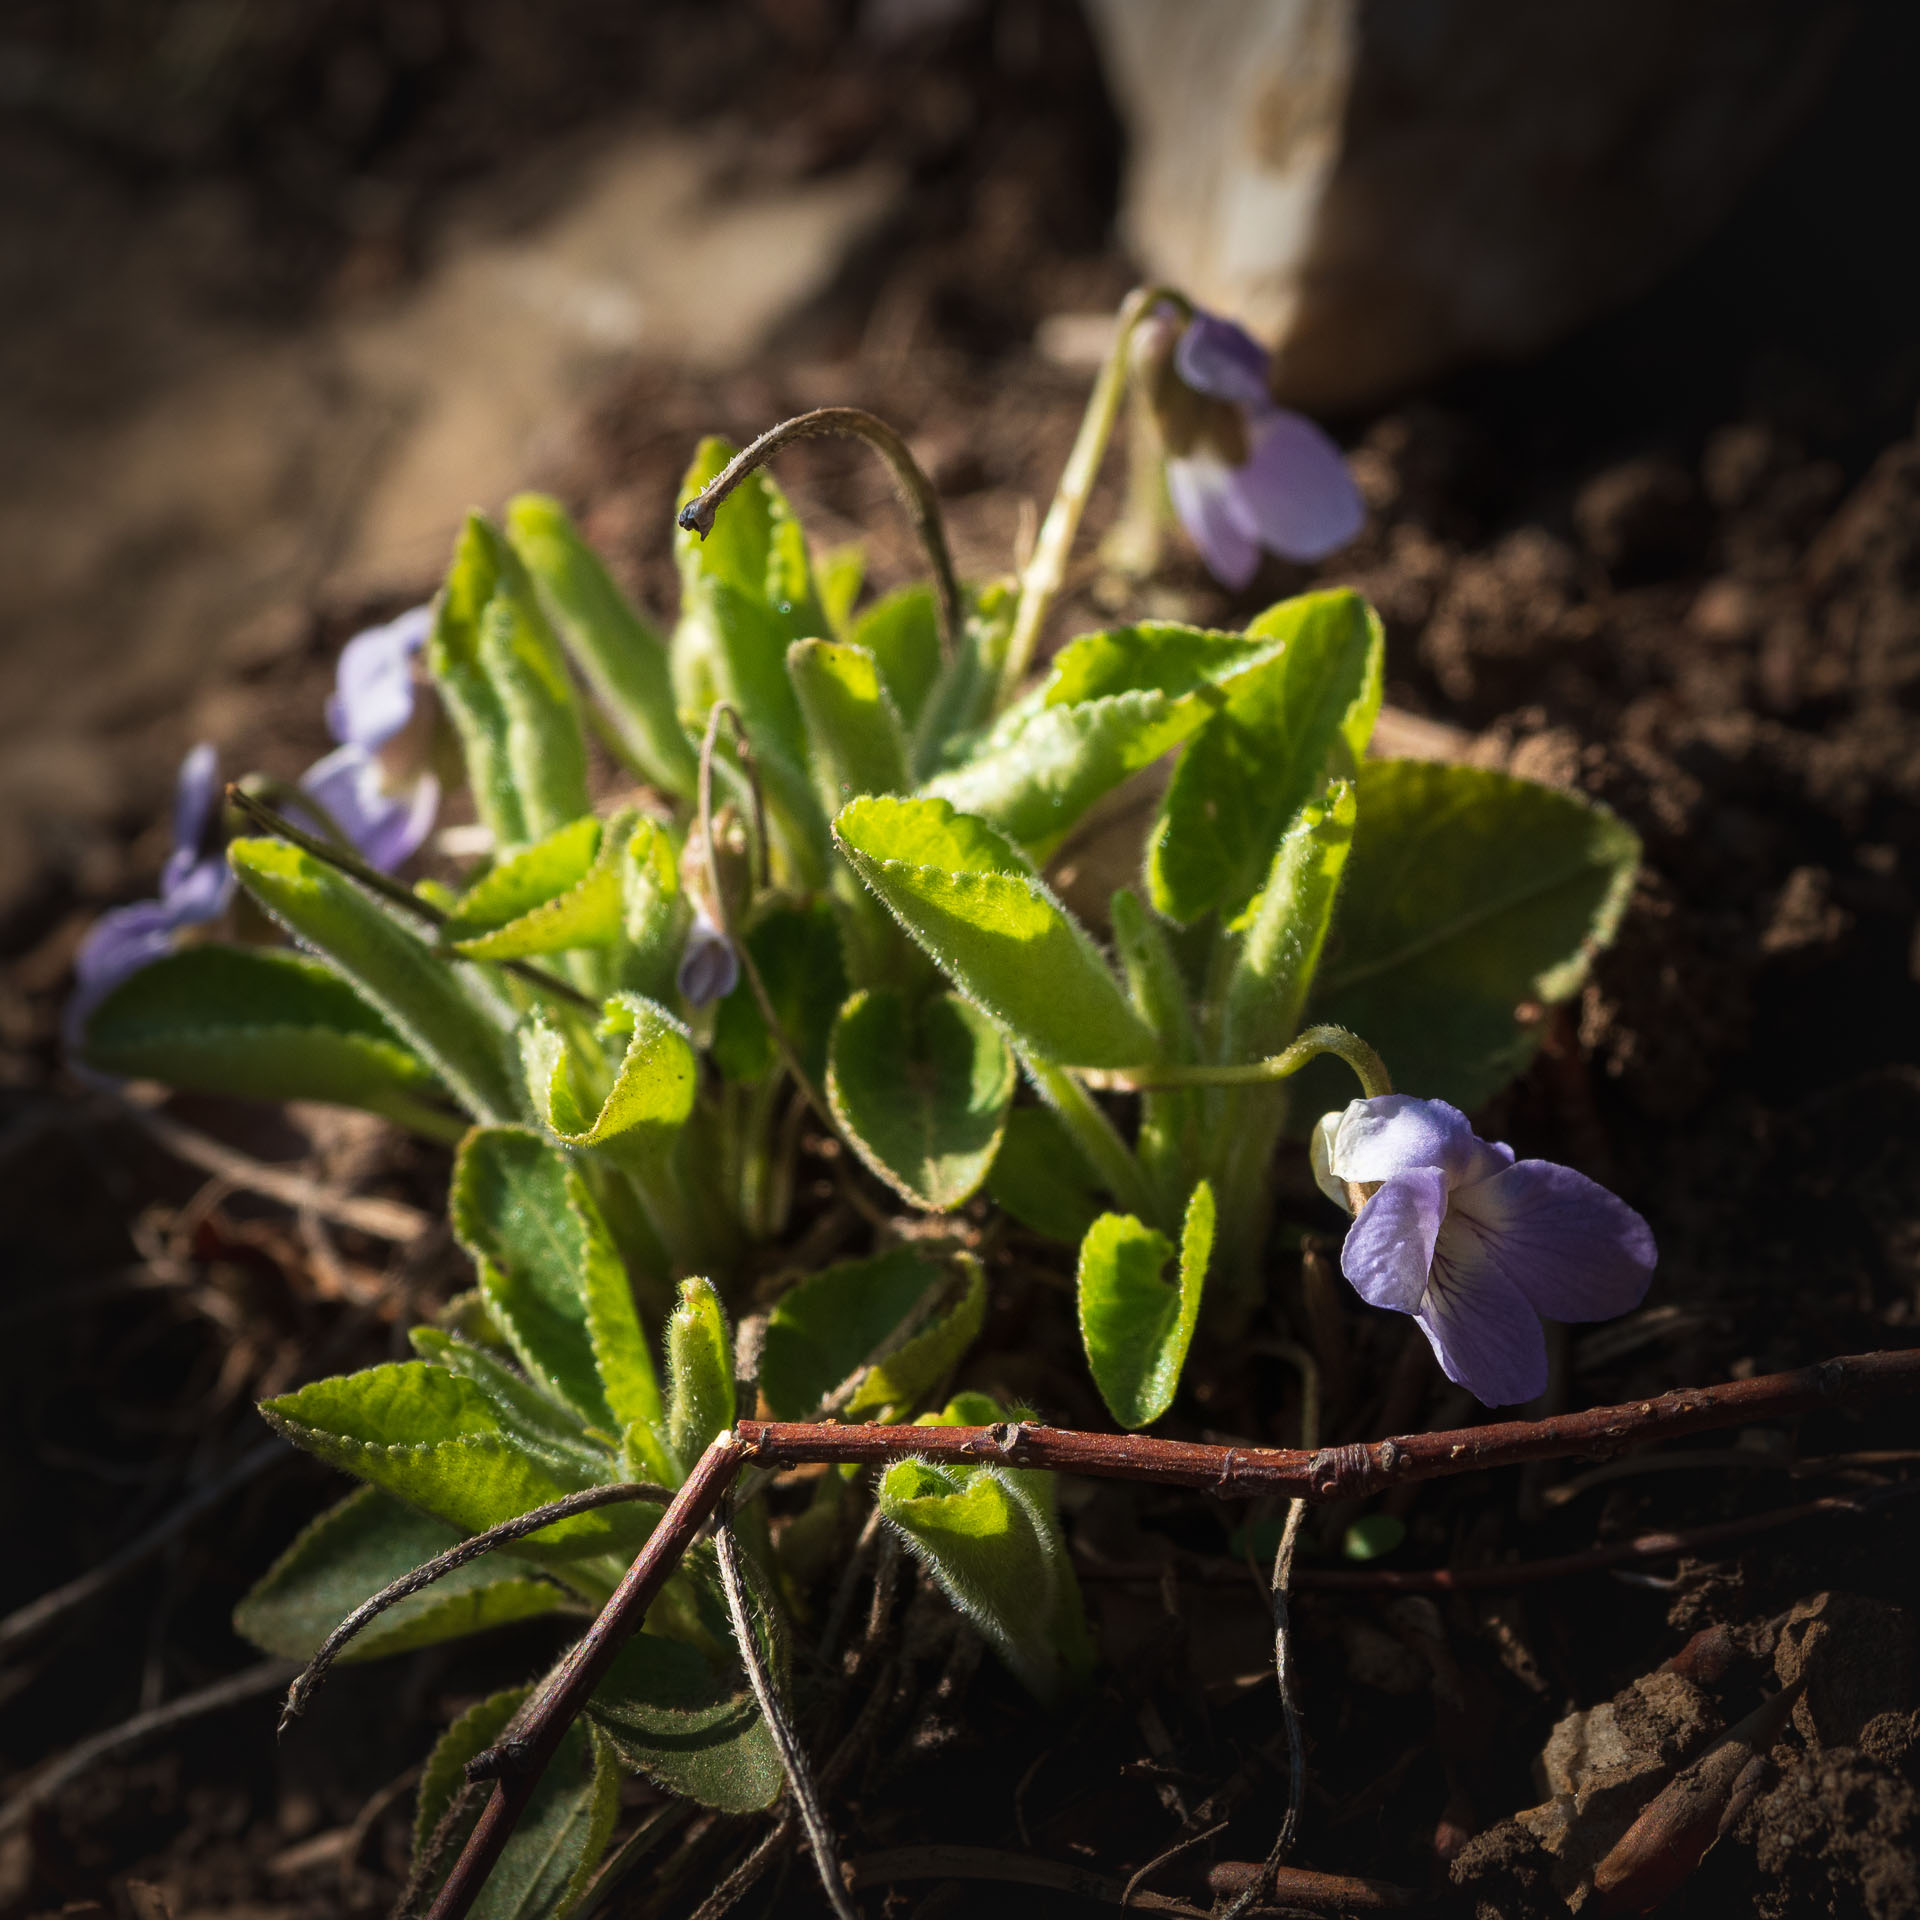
[[915, 490], [1048, 567]]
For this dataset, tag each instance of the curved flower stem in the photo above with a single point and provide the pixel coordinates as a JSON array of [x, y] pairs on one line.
[[1048, 567], [1368, 1068], [915, 490]]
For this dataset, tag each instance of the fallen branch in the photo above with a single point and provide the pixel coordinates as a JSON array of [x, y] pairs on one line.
[[1343, 1473], [515, 1764]]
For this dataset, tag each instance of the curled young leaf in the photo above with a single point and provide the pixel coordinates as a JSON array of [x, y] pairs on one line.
[[700, 1399], [1136, 1328], [991, 1540]]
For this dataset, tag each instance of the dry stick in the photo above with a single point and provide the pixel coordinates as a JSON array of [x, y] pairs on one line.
[[1330, 1473], [914, 488], [24, 1622], [313, 1675], [267, 1677], [1340, 1473], [346, 861], [794, 1762], [384, 1219], [516, 1763]]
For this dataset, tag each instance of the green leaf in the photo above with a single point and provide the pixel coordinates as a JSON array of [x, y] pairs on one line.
[[538, 1422], [419, 992], [700, 1372], [797, 949], [673, 1716], [842, 574], [995, 1549], [653, 1086], [525, 1216], [624, 659], [853, 730], [976, 906], [1115, 702], [854, 1315], [525, 879], [654, 913], [366, 1543], [586, 912], [922, 1092], [1468, 895], [833, 1321], [902, 632], [502, 678], [467, 690], [547, 1864], [1136, 1328], [1286, 928], [1040, 1178], [434, 1440], [1288, 727], [259, 1023]]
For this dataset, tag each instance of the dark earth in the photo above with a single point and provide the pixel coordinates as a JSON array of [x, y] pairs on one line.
[[1675, 565]]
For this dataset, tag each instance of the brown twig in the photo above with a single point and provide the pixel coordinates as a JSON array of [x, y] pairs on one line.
[[915, 490], [1339, 1473], [314, 1673], [516, 1763]]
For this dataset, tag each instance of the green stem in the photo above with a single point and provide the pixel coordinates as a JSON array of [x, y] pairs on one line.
[[1048, 567], [1367, 1066], [1095, 1135], [423, 1118]]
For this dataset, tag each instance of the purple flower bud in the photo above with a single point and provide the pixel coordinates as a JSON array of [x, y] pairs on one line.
[[1242, 472], [374, 691], [1476, 1245], [709, 967], [383, 822], [195, 886]]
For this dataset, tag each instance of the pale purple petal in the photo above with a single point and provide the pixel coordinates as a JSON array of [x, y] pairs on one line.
[[1295, 496], [1390, 1246], [709, 967], [120, 943], [199, 893], [1201, 490], [1479, 1325], [1576, 1251], [1215, 356], [374, 692], [384, 826], [1379, 1138], [196, 793], [1320, 1154]]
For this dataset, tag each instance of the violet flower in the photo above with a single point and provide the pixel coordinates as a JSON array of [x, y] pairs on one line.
[[709, 967], [376, 786], [1476, 1245], [1243, 473], [195, 886]]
